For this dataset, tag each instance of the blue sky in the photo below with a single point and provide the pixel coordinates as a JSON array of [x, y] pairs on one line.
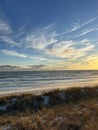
[[49, 34]]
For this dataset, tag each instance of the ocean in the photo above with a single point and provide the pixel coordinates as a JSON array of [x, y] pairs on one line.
[[40, 80]]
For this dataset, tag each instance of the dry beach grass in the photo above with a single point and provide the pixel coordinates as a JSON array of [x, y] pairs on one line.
[[70, 109]]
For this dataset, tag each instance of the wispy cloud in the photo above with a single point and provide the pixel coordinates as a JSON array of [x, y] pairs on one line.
[[40, 38], [4, 27], [67, 49], [16, 54], [37, 58], [6, 33], [9, 41], [45, 41], [86, 32], [77, 26], [87, 22], [13, 53]]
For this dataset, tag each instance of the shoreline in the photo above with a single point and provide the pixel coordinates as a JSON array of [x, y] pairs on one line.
[[43, 89]]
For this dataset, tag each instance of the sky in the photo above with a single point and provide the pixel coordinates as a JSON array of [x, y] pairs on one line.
[[48, 34]]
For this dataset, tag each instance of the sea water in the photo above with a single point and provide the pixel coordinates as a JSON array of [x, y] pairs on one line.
[[25, 80]]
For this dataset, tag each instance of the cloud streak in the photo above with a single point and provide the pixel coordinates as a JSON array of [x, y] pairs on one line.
[[9, 41], [16, 54], [4, 27], [86, 32], [13, 53], [77, 26]]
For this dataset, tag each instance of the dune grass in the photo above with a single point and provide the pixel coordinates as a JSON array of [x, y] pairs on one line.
[[70, 109]]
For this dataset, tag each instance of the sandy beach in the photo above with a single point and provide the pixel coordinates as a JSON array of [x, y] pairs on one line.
[[42, 89]]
